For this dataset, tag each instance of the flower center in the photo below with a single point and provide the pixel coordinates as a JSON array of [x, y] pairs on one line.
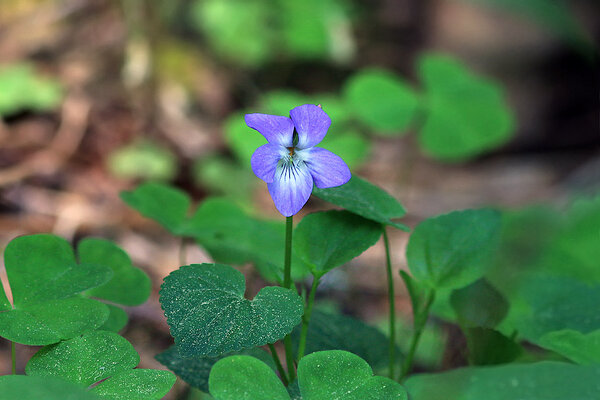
[[291, 150]]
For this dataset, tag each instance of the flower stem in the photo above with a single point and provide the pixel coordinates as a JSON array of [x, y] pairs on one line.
[[13, 355], [183, 251], [418, 325], [392, 301], [278, 364], [287, 263], [306, 317], [287, 283]]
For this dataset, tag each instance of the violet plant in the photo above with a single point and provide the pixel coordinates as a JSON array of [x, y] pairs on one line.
[[484, 270]]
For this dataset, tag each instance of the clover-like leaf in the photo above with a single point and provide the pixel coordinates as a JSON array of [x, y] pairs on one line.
[[328, 239], [340, 375], [25, 387], [466, 115], [52, 321], [324, 375], [381, 100], [129, 286], [103, 357], [365, 199], [117, 319], [44, 276], [43, 267], [534, 381], [245, 378], [584, 349], [453, 250], [196, 370], [328, 331], [490, 347], [209, 316]]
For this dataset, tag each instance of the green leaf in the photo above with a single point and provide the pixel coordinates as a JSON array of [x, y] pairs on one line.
[[136, 384], [490, 347], [328, 331], [43, 267], [4, 303], [162, 203], [117, 319], [143, 160], [196, 370], [240, 31], [381, 100], [466, 115], [86, 359], [245, 378], [334, 374], [479, 305], [103, 357], [539, 381], [209, 316], [584, 349], [365, 199], [24, 387], [22, 89], [328, 239], [52, 321], [455, 249], [231, 236], [129, 286]]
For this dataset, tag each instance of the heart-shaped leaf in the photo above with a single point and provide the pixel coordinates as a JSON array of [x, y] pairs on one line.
[[245, 378], [325, 240], [52, 321], [209, 316], [324, 375], [136, 384], [455, 249], [24, 387], [328, 331], [196, 370], [365, 199], [129, 286], [117, 319], [466, 115], [335, 374], [479, 305], [44, 277], [537, 381], [381, 100], [43, 267], [584, 349], [103, 357], [86, 359]]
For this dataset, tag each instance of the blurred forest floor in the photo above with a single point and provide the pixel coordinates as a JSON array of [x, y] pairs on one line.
[[54, 174]]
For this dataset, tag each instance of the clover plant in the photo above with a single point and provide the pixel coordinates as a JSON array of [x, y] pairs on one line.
[[525, 302]]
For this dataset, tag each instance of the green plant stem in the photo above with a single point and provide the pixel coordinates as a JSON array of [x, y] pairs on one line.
[[392, 301], [13, 355], [419, 324], [278, 364], [287, 283], [306, 317], [287, 262]]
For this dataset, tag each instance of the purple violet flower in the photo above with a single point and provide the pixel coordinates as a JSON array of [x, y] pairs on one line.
[[290, 163]]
